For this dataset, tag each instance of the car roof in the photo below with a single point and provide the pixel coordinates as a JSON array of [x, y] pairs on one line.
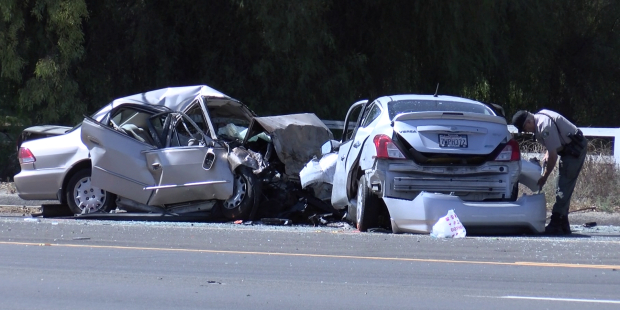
[[174, 98]]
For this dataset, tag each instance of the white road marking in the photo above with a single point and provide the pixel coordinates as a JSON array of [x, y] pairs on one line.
[[600, 301]]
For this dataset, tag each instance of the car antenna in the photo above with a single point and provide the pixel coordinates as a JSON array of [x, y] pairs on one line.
[[436, 90]]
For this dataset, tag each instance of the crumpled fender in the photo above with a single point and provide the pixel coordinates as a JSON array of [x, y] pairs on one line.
[[241, 156], [319, 171]]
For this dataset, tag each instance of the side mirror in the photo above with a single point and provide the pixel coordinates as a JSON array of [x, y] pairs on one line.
[[329, 147]]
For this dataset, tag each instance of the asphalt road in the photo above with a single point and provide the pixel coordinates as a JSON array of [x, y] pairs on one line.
[[70, 264]]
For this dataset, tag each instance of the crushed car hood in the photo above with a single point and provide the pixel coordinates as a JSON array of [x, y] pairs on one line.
[[296, 138]]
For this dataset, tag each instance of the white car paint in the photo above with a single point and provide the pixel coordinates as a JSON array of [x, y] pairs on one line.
[[417, 194]]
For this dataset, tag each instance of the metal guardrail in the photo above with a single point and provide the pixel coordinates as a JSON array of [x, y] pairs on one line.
[[587, 131]]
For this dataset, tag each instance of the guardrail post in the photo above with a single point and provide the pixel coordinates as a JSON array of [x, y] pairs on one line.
[[617, 146]]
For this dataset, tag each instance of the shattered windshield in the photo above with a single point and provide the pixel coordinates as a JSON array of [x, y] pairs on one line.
[[229, 122], [408, 106]]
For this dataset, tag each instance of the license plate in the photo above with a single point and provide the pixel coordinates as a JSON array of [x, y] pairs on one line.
[[459, 141]]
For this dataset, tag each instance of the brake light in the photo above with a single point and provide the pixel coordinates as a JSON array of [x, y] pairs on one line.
[[510, 152], [25, 156], [386, 148]]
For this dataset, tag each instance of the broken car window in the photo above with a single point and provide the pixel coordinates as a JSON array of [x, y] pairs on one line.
[[133, 123], [195, 113], [374, 112], [184, 133], [353, 116], [407, 106], [229, 128]]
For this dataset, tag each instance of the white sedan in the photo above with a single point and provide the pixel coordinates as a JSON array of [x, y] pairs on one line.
[[405, 160]]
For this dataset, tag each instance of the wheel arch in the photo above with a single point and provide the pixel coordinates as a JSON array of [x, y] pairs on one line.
[[83, 164], [354, 179]]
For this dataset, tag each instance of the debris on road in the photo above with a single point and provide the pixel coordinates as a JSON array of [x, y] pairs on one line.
[[449, 226]]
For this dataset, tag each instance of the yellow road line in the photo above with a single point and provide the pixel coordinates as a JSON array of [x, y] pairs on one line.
[[402, 259]]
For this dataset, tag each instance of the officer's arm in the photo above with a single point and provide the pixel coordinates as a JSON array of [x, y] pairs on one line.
[[552, 158], [551, 141]]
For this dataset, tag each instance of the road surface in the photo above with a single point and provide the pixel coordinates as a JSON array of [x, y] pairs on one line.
[[70, 264]]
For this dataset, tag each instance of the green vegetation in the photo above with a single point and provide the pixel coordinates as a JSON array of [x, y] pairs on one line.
[[60, 59]]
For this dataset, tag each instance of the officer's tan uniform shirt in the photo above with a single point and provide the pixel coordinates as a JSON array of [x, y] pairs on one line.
[[546, 132]]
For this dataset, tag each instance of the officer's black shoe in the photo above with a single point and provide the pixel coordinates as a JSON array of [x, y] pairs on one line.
[[557, 225], [566, 225]]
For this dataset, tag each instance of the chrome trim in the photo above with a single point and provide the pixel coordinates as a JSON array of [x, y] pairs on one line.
[[183, 185]]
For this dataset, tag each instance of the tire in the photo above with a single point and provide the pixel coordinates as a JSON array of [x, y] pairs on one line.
[[246, 189], [83, 198], [367, 211]]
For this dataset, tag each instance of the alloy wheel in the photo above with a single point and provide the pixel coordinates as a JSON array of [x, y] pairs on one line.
[[240, 189]]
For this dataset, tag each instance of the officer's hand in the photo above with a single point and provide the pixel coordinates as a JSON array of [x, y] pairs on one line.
[[542, 181]]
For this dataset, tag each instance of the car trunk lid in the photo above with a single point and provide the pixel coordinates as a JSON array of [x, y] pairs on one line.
[[455, 133]]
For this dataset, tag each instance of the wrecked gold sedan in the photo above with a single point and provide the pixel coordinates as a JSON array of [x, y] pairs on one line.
[[191, 150]]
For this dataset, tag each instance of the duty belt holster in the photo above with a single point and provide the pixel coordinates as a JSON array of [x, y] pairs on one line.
[[575, 147]]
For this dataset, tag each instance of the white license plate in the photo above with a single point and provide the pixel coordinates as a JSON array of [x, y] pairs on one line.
[[453, 141]]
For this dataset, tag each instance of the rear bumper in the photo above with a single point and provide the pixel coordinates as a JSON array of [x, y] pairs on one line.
[[420, 214], [42, 184], [405, 180]]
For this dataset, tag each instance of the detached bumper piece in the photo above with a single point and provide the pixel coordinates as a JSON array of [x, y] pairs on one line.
[[420, 214]]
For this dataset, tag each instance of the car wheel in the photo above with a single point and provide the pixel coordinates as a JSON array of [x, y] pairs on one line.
[[244, 197], [367, 211], [83, 198]]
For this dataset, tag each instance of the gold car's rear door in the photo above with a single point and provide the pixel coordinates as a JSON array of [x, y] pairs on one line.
[[118, 161]]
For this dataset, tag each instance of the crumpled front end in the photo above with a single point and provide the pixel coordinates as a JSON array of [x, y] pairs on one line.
[[296, 138], [319, 171], [420, 214]]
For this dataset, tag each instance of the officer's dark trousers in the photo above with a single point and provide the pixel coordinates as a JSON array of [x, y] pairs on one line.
[[569, 169]]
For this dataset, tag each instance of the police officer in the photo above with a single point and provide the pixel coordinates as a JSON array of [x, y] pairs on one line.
[[560, 137]]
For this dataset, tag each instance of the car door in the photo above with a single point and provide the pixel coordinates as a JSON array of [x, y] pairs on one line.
[[192, 167], [348, 144], [118, 161]]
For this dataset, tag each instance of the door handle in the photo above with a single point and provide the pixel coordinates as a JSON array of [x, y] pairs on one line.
[[94, 141], [155, 166], [356, 144]]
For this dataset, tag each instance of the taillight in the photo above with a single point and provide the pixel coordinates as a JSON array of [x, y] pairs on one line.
[[25, 156], [386, 148], [510, 152]]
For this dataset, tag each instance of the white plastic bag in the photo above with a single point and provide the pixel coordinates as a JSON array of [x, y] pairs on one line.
[[449, 226]]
